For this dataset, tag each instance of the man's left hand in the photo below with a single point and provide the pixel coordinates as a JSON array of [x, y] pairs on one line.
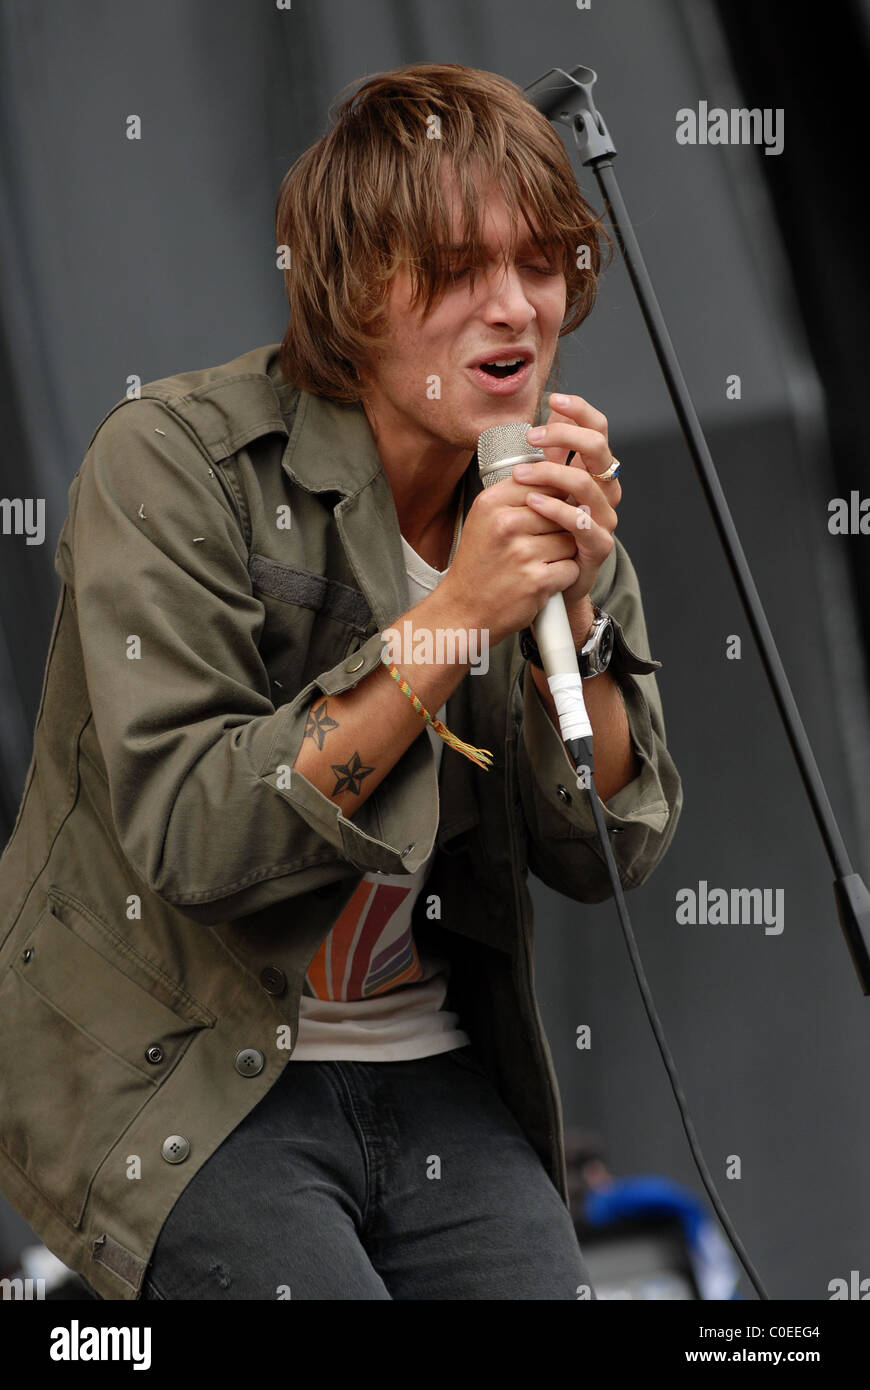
[[589, 513]]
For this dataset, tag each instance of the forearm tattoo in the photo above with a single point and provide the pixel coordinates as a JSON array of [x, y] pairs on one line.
[[349, 775], [319, 724]]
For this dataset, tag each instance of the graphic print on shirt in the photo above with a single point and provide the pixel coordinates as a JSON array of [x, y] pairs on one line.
[[370, 947]]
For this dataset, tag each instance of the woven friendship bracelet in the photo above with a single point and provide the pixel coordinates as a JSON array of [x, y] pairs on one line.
[[481, 756]]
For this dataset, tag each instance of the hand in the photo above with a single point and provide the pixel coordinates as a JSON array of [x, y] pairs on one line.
[[579, 426]]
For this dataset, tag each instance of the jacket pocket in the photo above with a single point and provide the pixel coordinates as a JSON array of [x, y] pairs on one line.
[[83, 1047], [311, 623]]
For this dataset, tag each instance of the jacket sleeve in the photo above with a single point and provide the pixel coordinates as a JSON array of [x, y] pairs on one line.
[[205, 803], [564, 851]]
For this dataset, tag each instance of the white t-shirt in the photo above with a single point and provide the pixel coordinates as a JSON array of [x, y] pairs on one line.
[[369, 994]]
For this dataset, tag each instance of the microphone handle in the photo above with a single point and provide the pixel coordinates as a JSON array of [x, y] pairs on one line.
[[559, 657], [552, 632]]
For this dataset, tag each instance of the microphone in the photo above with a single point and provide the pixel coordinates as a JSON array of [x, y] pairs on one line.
[[498, 450]]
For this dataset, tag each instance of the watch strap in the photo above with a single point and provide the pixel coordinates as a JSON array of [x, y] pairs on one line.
[[623, 660]]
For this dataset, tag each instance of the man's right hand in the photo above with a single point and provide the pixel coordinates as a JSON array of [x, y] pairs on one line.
[[510, 560]]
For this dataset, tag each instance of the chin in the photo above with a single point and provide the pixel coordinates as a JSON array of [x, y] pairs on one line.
[[507, 410]]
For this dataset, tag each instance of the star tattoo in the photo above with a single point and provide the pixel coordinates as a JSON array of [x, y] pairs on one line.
[[350, 775], [319, 724]]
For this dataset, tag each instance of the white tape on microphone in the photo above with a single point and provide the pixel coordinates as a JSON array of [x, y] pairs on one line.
[[567, 692]]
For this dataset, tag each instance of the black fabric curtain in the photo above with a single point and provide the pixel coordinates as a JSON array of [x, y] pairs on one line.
[[817, 71]]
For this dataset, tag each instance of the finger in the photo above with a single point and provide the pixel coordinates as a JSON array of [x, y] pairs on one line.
[[596, 505], [579, 410], [590, 547], [554, 454], [529, 520], [591, 448], [567, 479], [612, 487], [576, 482], [556, 546], [579, 520], [593, 545]]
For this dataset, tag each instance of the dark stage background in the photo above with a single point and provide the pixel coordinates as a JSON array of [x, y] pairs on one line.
[[157, 256]]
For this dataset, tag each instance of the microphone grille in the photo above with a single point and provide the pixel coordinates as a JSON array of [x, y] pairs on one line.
[[505, 442]]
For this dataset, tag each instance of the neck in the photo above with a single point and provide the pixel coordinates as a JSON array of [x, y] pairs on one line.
[[425, 478]]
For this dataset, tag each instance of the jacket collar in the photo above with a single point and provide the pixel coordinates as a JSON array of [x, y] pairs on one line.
[[331, 448]]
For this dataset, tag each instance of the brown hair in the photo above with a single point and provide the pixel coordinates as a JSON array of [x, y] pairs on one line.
[[368, 195]]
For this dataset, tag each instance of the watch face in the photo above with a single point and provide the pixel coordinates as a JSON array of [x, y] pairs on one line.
[[605, 647]]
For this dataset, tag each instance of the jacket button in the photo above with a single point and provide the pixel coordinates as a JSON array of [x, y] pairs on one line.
[[354, 662], [273, 980], [27, 955], [176, 1148], [154, 1053], [563, 794], [407, 850], [249, 1062]]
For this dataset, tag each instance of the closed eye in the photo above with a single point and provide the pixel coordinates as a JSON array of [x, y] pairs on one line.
[[462, 271]]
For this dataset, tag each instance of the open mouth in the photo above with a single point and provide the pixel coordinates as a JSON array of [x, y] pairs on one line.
[[503, 377], [503, 369]]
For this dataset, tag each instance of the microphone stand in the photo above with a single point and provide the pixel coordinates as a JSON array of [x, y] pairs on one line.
[[567, 98]]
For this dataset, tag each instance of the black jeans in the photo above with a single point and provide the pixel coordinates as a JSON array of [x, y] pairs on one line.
[[362, 1180]]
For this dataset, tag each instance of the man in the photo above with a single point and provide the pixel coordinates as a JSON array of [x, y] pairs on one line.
[[267, 1019]]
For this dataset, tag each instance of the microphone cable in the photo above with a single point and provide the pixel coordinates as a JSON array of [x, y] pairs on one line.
[[580, 750], [499, 449]]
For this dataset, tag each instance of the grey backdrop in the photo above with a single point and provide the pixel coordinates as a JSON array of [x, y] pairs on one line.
[[156, 256]]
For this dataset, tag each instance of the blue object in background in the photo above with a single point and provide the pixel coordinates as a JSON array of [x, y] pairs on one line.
[[715, 1269]]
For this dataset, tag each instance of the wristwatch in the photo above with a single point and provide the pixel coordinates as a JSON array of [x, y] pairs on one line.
[[592, 658], [605, 644]]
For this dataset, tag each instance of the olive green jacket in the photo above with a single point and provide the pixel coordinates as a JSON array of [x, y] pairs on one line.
[[232, 551]]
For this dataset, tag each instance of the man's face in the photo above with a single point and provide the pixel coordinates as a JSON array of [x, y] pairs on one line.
[[427, 385]]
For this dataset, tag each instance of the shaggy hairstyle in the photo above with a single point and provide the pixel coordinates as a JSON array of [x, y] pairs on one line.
[[367, 198]]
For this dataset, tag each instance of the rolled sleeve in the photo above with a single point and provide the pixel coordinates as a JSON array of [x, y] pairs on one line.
[[404, 807], [642, 816], [206, 806]]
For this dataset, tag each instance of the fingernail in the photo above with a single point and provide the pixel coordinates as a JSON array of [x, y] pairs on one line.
[[522, 470], [533, 435], [558, 399]]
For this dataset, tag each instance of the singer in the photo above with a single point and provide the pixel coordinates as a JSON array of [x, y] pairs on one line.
[[268, 1027]]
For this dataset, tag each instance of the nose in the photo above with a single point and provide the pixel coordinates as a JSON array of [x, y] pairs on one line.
[[505, 299]]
